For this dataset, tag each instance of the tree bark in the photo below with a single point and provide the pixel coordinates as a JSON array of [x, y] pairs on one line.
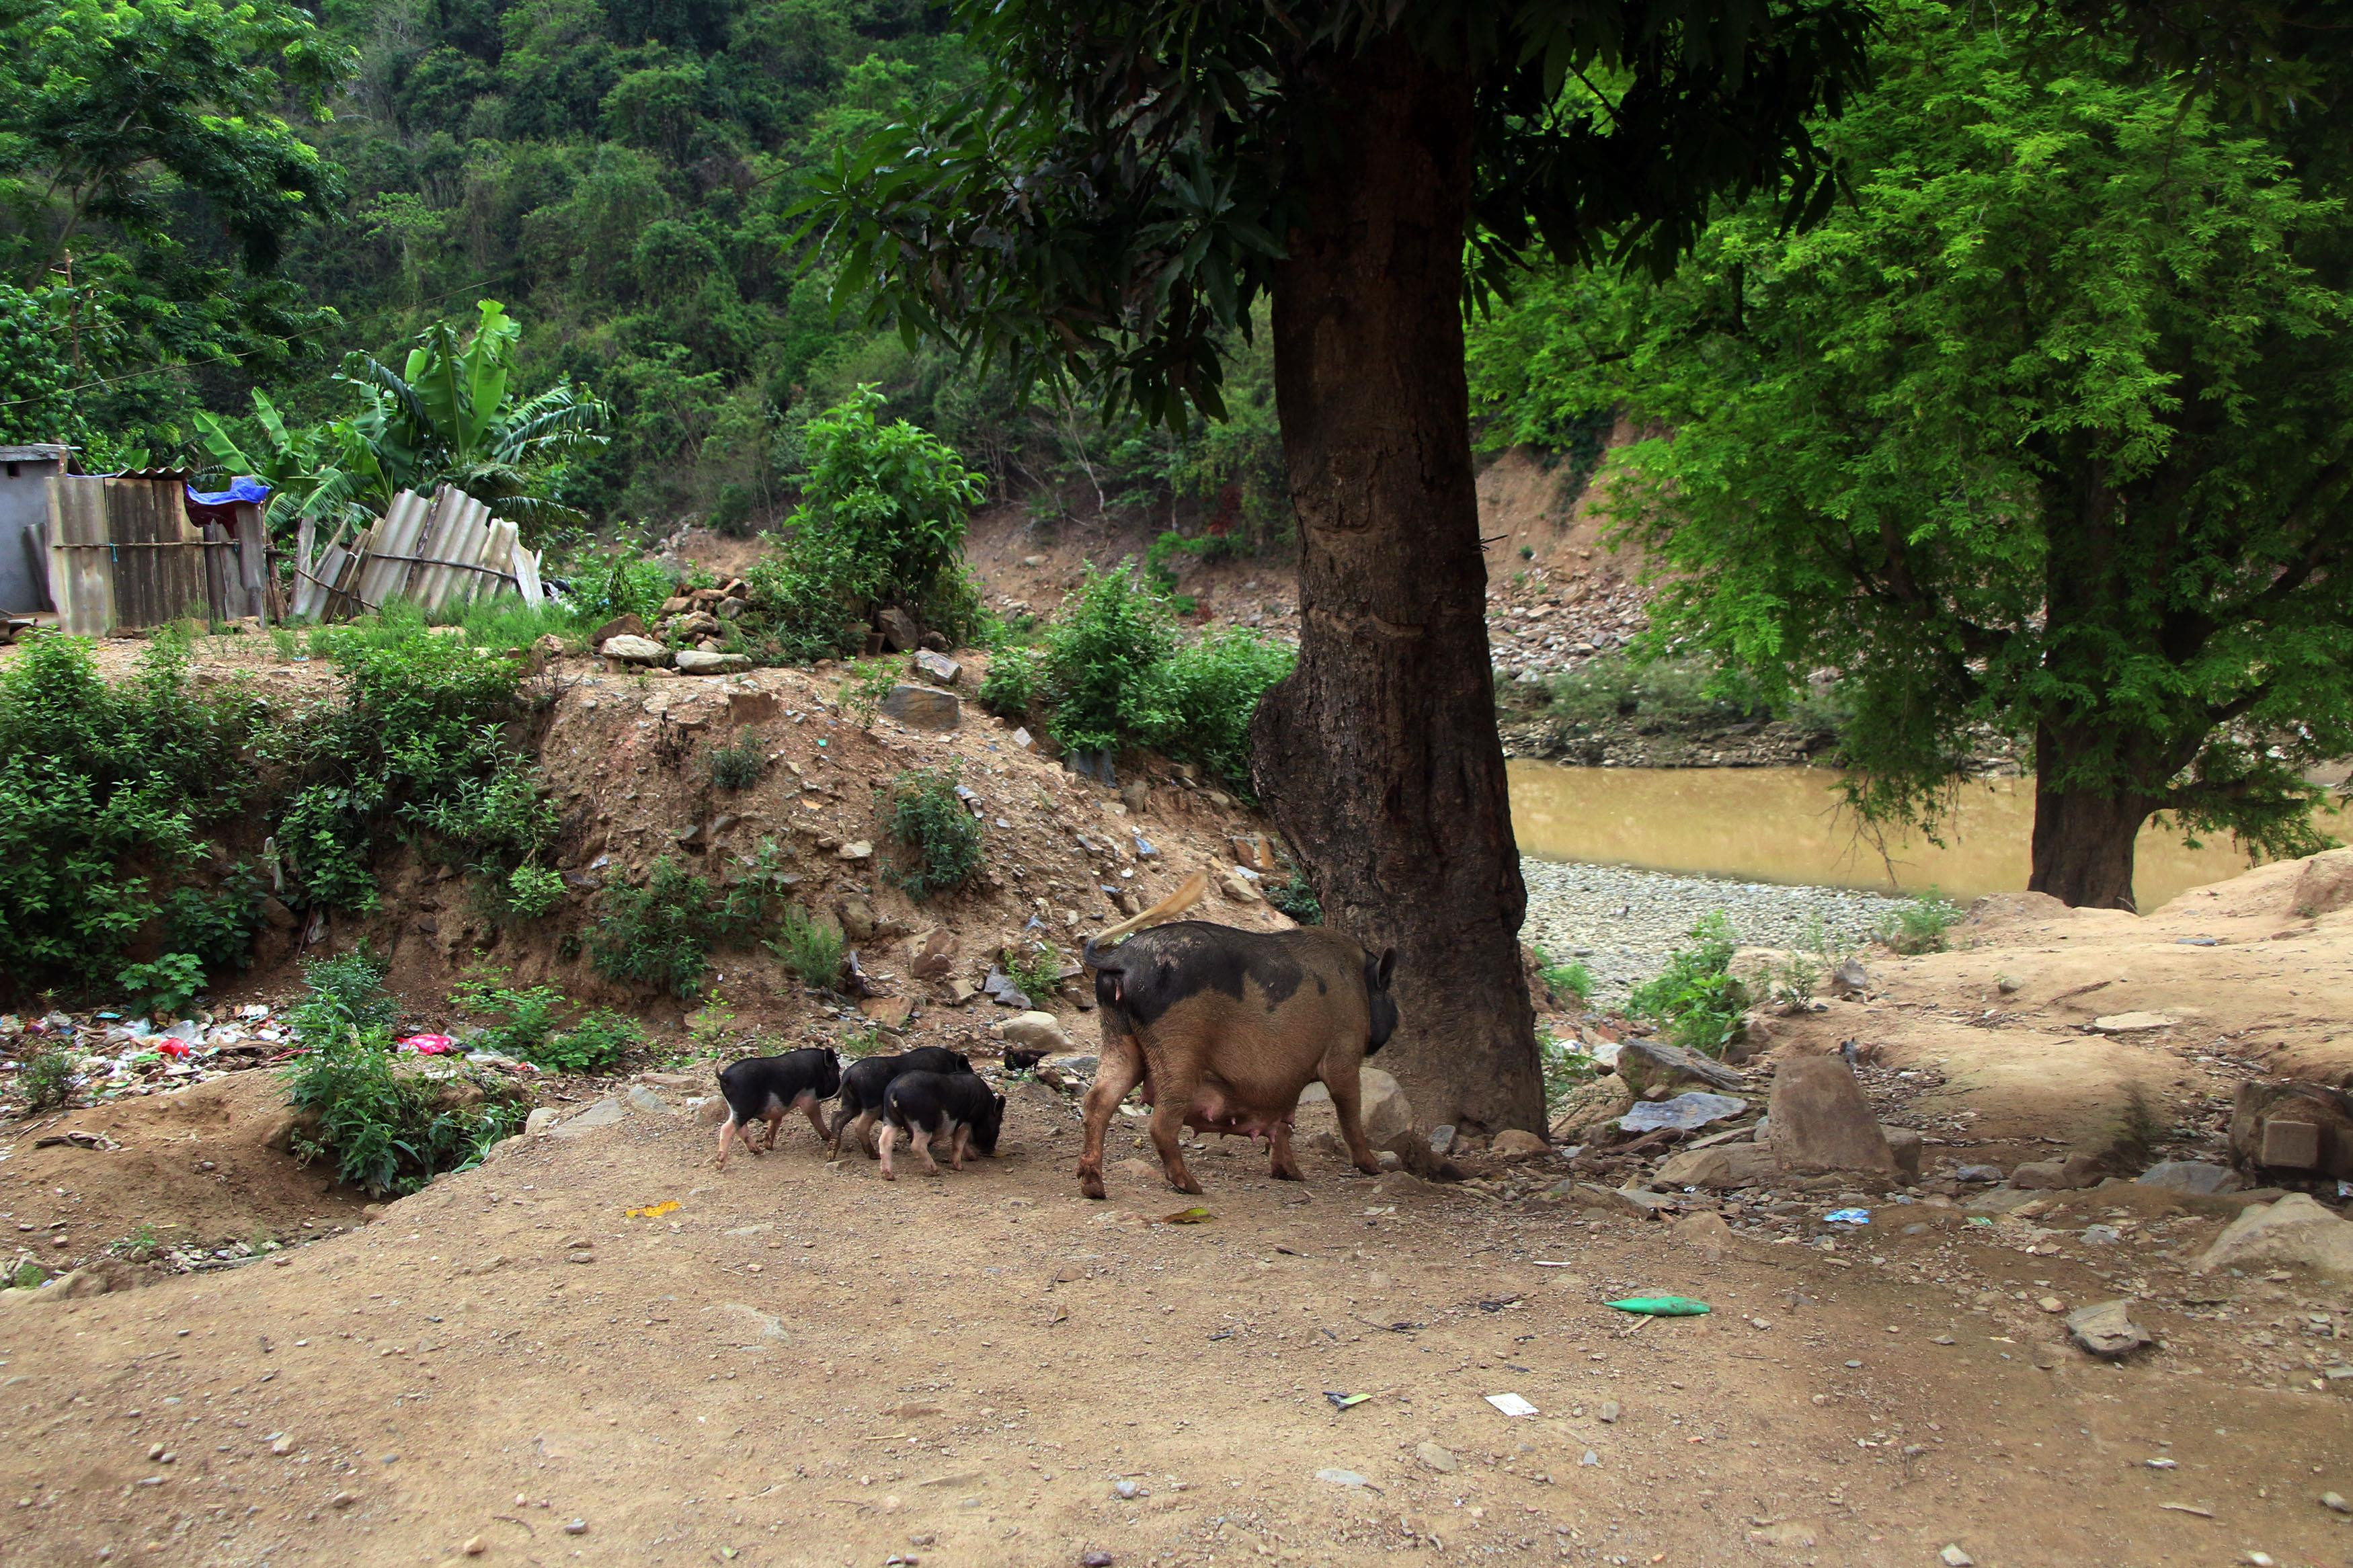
[[1379, 756], [2083, 848]]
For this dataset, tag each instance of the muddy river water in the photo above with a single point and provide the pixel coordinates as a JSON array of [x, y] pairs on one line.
[[1786, 825]]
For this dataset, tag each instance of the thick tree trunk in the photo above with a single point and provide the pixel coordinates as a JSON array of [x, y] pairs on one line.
[[1379, 756], [2082, 841]]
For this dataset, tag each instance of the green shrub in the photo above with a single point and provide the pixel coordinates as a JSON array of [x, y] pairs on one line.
[[1102, 660], [217, 927], [809, 947], [524, 1019], [164, 987], [390, 1127], [345, 992], [529, 893], [880, 524], [1684, 692], [1696, 998], [606, 585], [1038, 972], [740, 765], [937, 830], [1919, 925], [1208, 692], [1566, 1069], [594, 1044], [1011, 684], [104, 793], [1295, 896], [27, 1276], [660, 935], [869, 681], [46, 1078], [1571, 979]]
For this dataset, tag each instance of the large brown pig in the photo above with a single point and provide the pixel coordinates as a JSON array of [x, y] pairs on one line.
[[1223, 1028]]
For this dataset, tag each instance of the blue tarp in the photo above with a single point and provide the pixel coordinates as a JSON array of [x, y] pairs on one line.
[[240, 490]]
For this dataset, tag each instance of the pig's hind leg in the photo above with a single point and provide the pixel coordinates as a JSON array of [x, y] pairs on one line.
[[1121, 1068]]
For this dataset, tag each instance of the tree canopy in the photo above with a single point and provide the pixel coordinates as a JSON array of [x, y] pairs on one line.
[[2051, 429]]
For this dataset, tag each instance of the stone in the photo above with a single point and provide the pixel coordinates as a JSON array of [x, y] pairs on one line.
[[1074, 1071], [280, 916], [937, 668], [1237, 887], [1645, 1065], [1004, 991], [2069, 1173], [1979, 1175], [956, 990], [1442, 1139], [1704, 1230], [642, 1099], [1954, 1557], [694, 661], [2294, 1231], [922, 707], [542, 1119], [2107, 1330], [629, 649], [2133, 1023], [856, 849], [856, 915], [604, 1113], [2318, 1122], [1725, 1168], [1849, 979], [1386, 1113], [1252, 850], [628, 626], [711, 1109], [1907, 1146], [1033, 1032], [2324, 885], [1611, 1200], [1587, 1106], [752, 706], [1516, 1144], [701, 624], [890, 1011], [1821, 1121], [901, 633], [1022, 738], [2195, 1176], [1436, 1456]]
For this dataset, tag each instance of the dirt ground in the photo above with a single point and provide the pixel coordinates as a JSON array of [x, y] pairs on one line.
[[801, 1364]]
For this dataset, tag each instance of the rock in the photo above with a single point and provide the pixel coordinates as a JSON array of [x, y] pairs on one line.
[[1849, 979], [2335, 1503], [2132, 1023], [711, 1109], [937, 668], [541, 1119], [280, 916], [2073, 1171], [604, 1113], [1237, 887], [694, 661], [1979, 1175], [1386, 1113], [1074, 1072], [1821, 1122], [922, 707], [1437, 1456], [1723, 1168], [1908, 1147], [1252, 850], [956, 990], [693, 627], [856, 915], [2324, 885], [2296, 1126], [2107, 1330], [1032, 1031], [1022, 739], [2007, 984], [1705, 1230], [1954, 1557], [627, 625], [1587, 1106], [1442, 1139], [631, 649], [1689, 1111], [1645, 1065], [890, 1011], [2196, 1176], [642, 1099], [752, 706], [1612, 1200], [857, 849], [900, 632], [2294, 1230], [1515, 1143]]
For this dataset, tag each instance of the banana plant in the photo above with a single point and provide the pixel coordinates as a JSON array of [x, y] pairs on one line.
[[328, 471]]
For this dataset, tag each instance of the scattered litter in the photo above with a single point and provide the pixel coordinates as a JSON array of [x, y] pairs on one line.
[[1346, 1478], [2191, 1509], [1194, 1215], [1663, 1306], [1511, 1405], [427, 1045], [2162, 1464], [1686, 1113], [1542, 1264], [1848, 1216], [79, 1139], [1344, 1401], [654, 1211]]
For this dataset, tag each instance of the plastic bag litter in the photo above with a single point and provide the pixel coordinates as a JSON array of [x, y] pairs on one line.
[[1848, 1216], [1195, 1216], [1344, 1401], [1685, 1111], [1511, 1405], [1663, 1306], [427, 1045]]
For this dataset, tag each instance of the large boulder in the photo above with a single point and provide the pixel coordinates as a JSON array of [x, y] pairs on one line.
[[2294, 1127], [2324, 885], [2294, 1230], [922, 707], [900, 632], [628, 648], [694, 661], [937, 668], [2198, 1177], [1821, 1122], [2071, 1173], [1387, 1113], [1033, 1032], [1646, 1065], [1725, 1168]]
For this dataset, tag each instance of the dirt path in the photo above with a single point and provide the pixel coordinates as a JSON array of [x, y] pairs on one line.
[[802, 1364]]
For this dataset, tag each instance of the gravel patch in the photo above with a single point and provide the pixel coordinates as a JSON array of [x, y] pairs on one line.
[[1621, 924]]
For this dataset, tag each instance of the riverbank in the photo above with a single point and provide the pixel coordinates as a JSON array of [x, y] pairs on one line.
[[1621, 924]]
